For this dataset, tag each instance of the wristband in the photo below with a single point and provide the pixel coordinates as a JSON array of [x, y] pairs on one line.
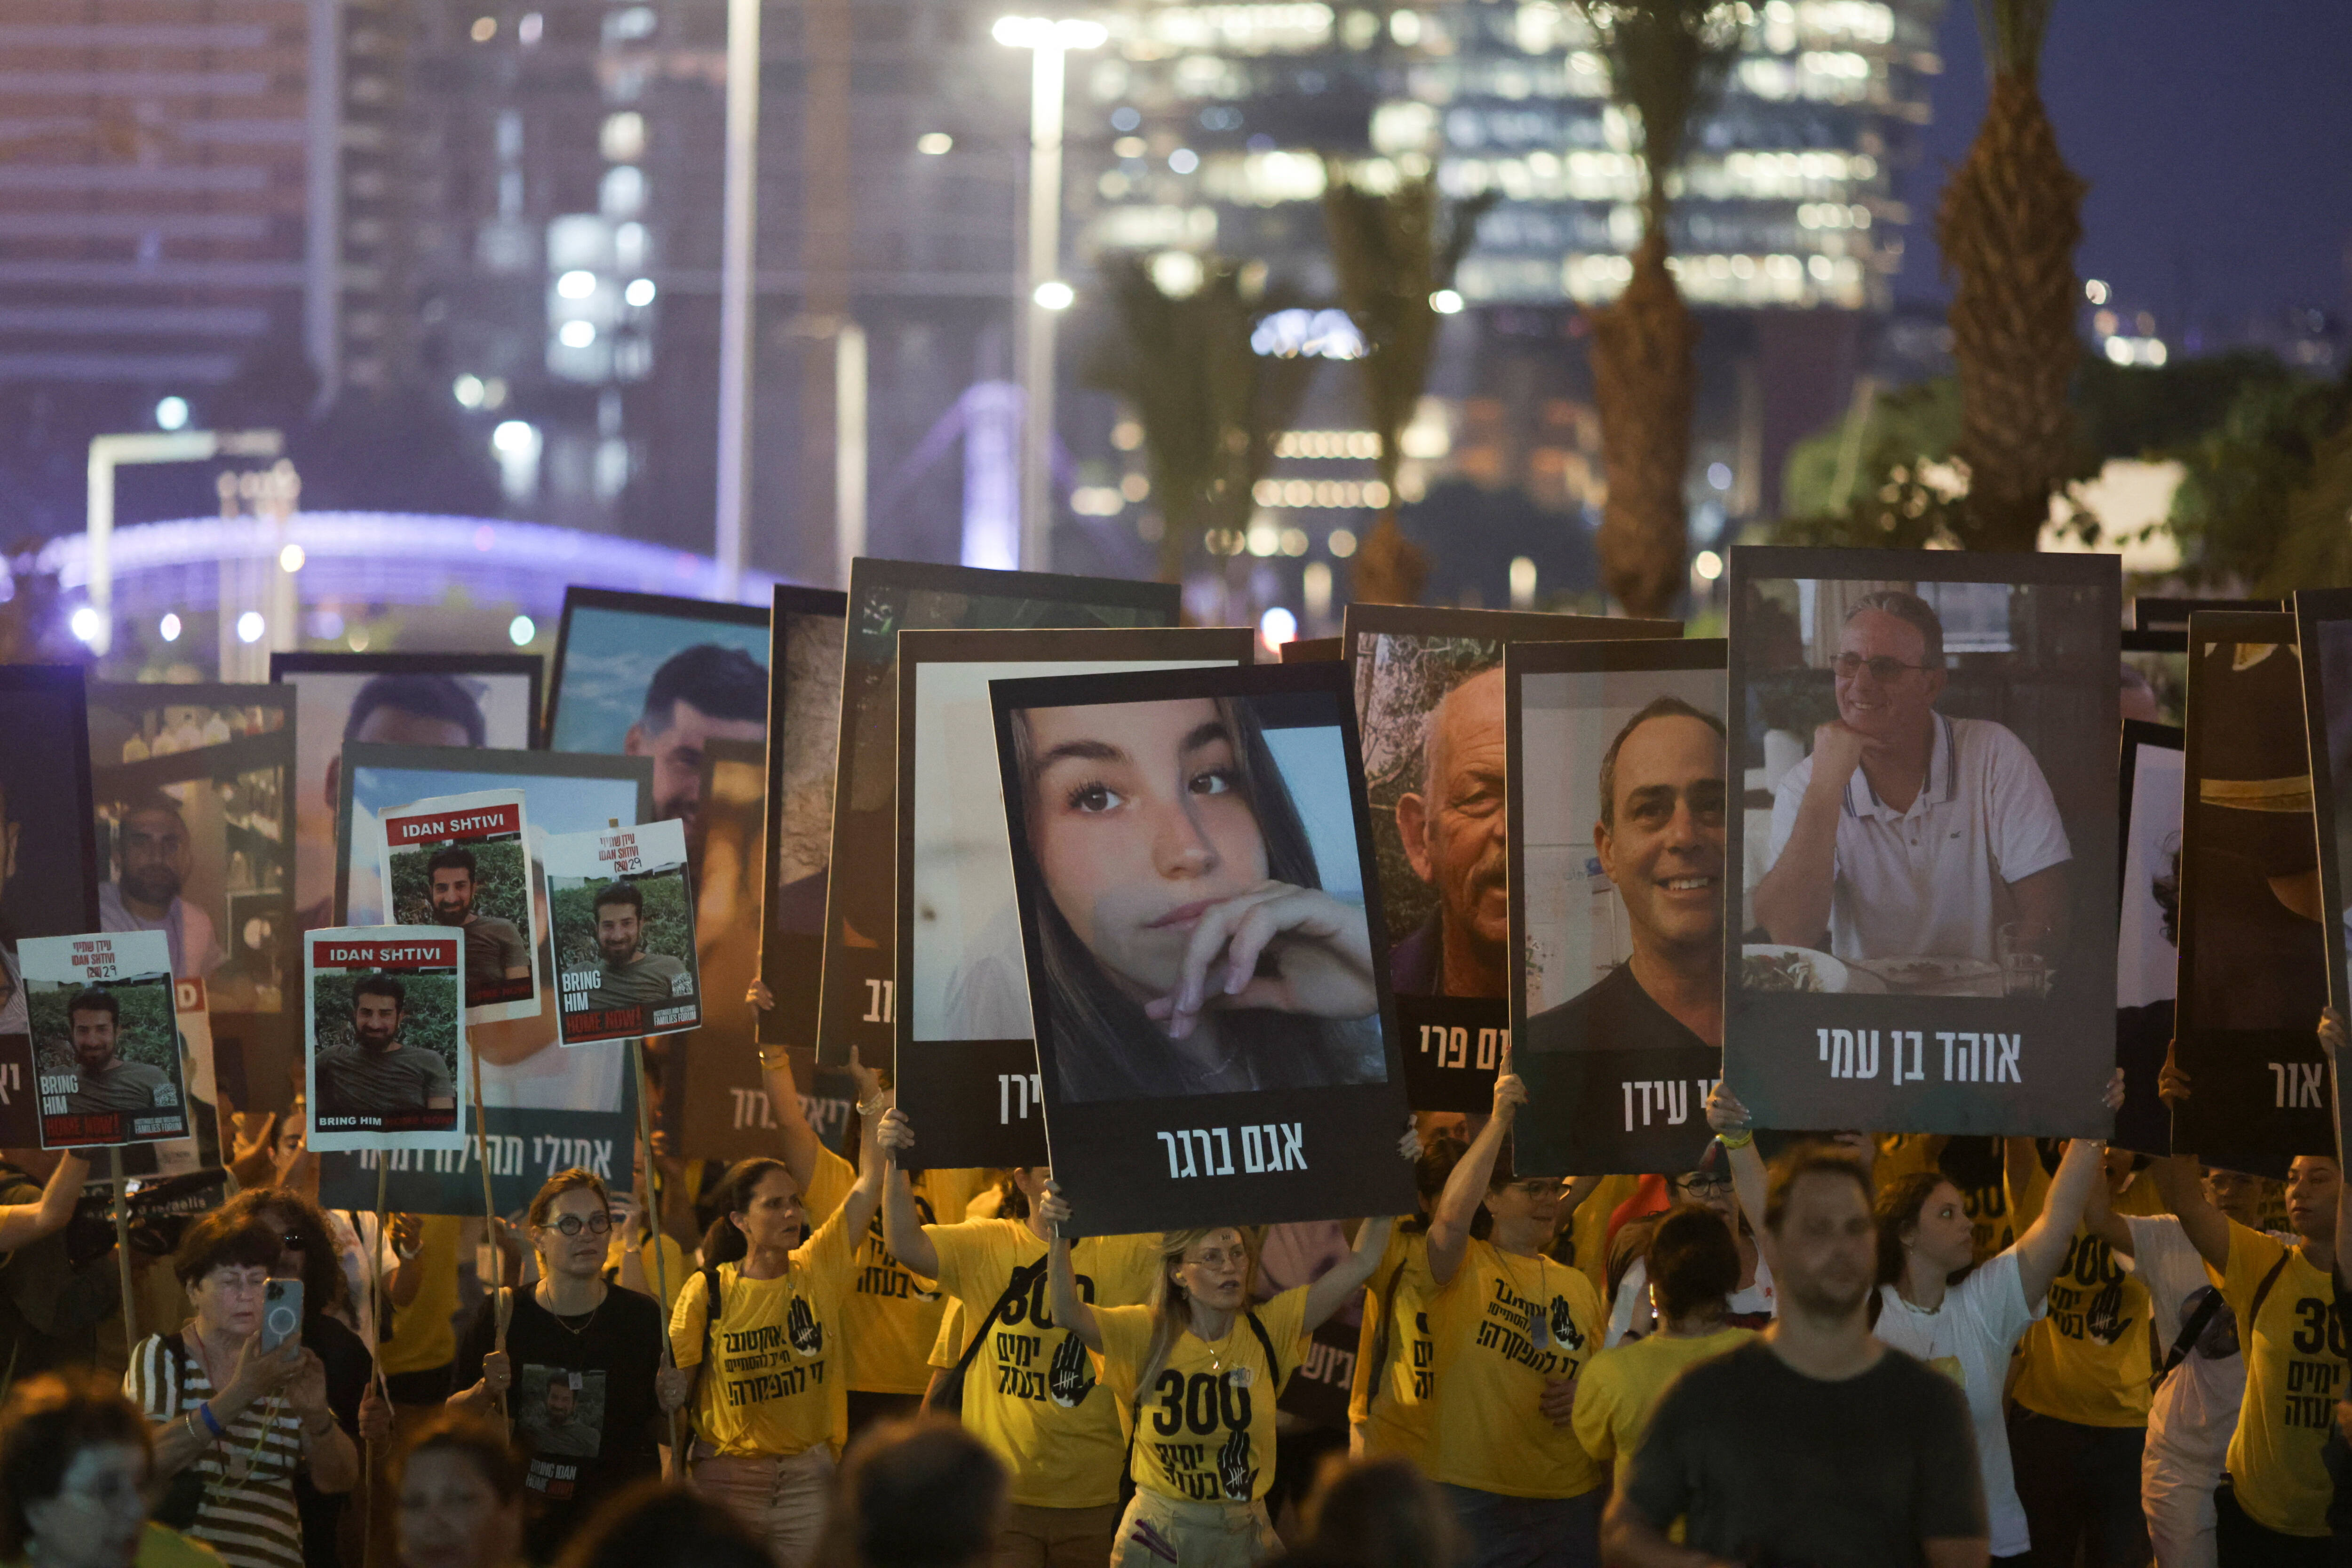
[[211, 1422], [773, 1058], [871, 1107], [1735, 1140]]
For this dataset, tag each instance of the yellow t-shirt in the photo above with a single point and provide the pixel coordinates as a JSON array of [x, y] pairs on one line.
[[2295, 1351], [2087, 1360], [1620, 1387], [1397, 1415], [780, 1345], [894, 1313], [1505, 1325], [1030, 1393], [424, 1335], [1902, 1154], [1208, 1417]]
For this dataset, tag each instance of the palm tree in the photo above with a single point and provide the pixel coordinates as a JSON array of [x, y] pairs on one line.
[[1667, 63], [2010, 218], [1211, 407], [1392, 254]]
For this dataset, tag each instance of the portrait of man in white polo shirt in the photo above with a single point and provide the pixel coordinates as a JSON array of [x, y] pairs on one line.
[[1908, 832]]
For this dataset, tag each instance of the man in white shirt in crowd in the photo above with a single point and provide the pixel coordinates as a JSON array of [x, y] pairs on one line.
[[1907, 832]]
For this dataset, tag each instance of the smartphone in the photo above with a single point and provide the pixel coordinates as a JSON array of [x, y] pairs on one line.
[[281, 1312]]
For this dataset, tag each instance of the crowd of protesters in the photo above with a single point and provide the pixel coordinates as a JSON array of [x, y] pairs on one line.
[[1866, 1352]]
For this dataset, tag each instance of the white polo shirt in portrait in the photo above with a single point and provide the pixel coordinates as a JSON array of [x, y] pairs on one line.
[[1921, 880]]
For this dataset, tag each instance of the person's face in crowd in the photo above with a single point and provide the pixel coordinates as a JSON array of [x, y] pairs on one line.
[[451, 1518], [1944, 1235], [1709, 1190], [375, 1020], [677, 749], [1139, 826], [2119, 1165], [1528, 1206], [154, 845], [581, 1256], [561, 1403], [1215, 1271], [617, 932], [290, 1142], [1896, 708], [1663, 852], [2314, 1183], [452, 895], [98, 1514], [389, 726], [1030, 1181], [1826, 1253], [775, 1217], [94, 1039], [1453, 833], [228, 1298], [2236, 1194]]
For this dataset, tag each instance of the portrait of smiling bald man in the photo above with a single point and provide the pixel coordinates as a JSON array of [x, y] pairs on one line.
[[1453, 828], [1908, 832]]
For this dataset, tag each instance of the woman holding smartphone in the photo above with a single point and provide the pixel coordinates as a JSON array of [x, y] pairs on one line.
[[245, 1421]]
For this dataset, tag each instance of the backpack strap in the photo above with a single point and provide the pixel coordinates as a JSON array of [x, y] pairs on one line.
[[1023, 1278], [1272, 1362], [709, 1308], [1384, 1336], [2263, 1291]]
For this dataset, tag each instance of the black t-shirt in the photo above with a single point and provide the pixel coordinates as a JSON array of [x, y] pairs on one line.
[[1778, 1469], [583, 1402], [348, 1367], [1615, 1082]]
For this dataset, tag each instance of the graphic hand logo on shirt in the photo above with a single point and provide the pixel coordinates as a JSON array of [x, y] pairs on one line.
[[2104, 1322], [807, 1334], [1071, 1376], [1563, 1326], [1234, 1468]]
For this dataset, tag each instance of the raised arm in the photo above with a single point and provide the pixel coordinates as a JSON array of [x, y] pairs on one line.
[[21, 1225], [2180, 1183], [802, 1144], [1061, 1280], [902, 1224], [1466, 1187], [1729, 1118], [1340, 1283], [857, 1209], [2042, 1250], [1792, 901]]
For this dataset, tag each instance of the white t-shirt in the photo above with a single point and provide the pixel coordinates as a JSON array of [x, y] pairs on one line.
[[1633, 1317], [1968, 1338], [1921, 881], [2191, 1417]]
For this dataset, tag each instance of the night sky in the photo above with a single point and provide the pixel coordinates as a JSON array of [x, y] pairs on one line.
[[2217, 141]]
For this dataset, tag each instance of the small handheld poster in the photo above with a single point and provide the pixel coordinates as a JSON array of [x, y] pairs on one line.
[[384, 1039], [623, 917], [461, 861], [105, 1044]]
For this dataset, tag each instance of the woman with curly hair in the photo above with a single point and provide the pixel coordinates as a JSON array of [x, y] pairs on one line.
[[75, 1463]]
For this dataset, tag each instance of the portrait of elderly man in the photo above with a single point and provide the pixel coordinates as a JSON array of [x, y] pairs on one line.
[[1909, 832], [1453, 828], [1661, 843], [151, 857]]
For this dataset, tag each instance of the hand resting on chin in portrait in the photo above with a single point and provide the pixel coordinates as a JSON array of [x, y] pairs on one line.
[[1189, 945]]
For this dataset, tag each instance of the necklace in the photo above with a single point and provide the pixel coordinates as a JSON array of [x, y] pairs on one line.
[[584, 1322], [1539, 1321]]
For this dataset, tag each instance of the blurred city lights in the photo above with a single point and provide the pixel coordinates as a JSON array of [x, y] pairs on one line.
[[169, 628], [2094, 291], [639, 293], [290, 559], [513, 437], [1054, 295], [520, 630], [1709, 566], [467, 391], [576, 285], [1277, 626], [250, 625], [84, 624], [1034, 32], [172, 414], [934, 142], [1446, 303], [1719, 475], [576, 334], [1183, 159]]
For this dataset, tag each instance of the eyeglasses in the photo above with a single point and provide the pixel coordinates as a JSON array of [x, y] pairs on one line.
[[1881, 669], [1708, 1186], [572, 1223]]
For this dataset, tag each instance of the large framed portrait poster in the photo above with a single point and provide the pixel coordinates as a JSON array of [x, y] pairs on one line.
[[2148, 929], [1927, 934], [967, 1058], [1429, 698], [806, 628], [1208, 966], [857, 998], [1618, 801], [49, 859], [2324, 632]]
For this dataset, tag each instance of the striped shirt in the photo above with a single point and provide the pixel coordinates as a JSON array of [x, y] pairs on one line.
[[253, 1523]]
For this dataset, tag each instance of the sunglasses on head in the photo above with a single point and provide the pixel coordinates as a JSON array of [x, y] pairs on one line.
[[573, 1224]]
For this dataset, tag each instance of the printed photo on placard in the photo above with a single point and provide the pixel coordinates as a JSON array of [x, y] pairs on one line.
[[622, 911], [483, 700], [1429, 696], [1208, 966], [1926, 932], [548, 1108], [104, 1042], [857, 998], [807, 626], [387, 1039], [462, 861], [2253, 928], [48, 858], [2148, 930], [643, 675], [967, 1060], [1619, 797], [2324, 626]]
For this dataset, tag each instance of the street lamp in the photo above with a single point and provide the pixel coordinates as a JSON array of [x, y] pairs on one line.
[[1047, 39]]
